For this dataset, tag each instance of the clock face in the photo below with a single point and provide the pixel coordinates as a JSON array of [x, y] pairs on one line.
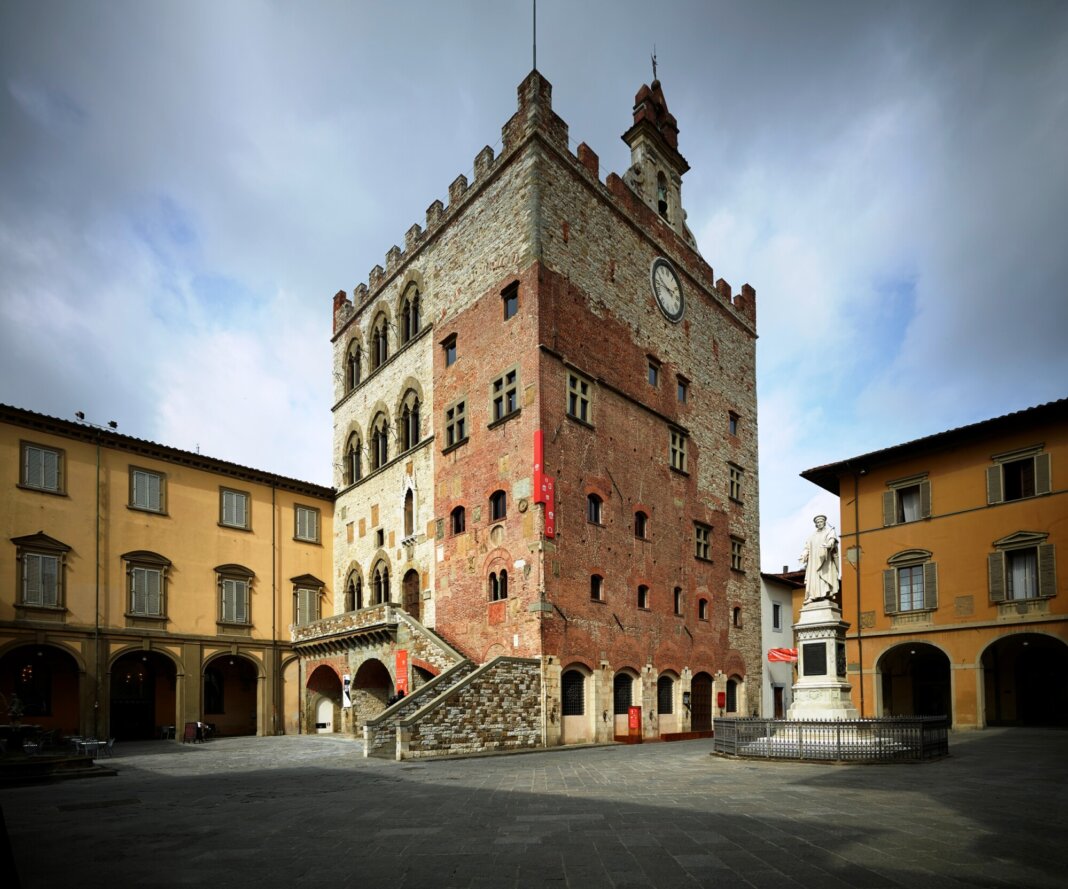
[[667, 289]]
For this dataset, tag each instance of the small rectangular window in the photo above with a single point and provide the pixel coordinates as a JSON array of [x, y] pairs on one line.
[[643, 597], [42, 468], [654, 374], [683, 389], [234, 600], [40, 579], [146, 490], [578, 398], [776, 616], [448, 347], [307, 524], [734, 482], [678, 600], [732, 423], [307, 605], [146, 591], [455, 424], [737, 552], [702, 541], [510, 297], [1018, 475], [596, 588], [233, 508]]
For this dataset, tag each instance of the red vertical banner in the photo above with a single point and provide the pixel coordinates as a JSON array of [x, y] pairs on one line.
[[548, 489], [539, 465], [402, 671]]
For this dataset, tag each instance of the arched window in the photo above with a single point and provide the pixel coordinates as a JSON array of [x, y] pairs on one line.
[[409, 513], [593, 509], [678, 600], [352, 366], [643, 596], [596, 588], [409, 421], [379, 442], [702, 609], [498, 506], [498, 585], [410, 314], [665, 695], [573, 693], [379, 343], [641, 525], [736, 616], [459, 520], [380, 584], [353, 461], [622, 687], [354, 593]]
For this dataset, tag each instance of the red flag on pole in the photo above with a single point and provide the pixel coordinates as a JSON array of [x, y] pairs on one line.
[[782, 655]]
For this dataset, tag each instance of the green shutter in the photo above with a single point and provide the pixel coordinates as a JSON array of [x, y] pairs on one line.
[[925, 499], [889, 501], [1047, 573], [930, 586], [996, 576], [890, 590], [993, 484], [1043, 474]]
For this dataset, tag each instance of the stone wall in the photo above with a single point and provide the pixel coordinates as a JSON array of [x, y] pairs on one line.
[[498, 707]]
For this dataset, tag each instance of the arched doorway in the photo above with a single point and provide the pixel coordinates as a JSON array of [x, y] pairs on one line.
[[45, 680], [412, 595], [701, 703], [915, 681], [324, 700], [143, 694], [371, 687], [626, 692], [666, 706], [1025, 680], [230, 684]]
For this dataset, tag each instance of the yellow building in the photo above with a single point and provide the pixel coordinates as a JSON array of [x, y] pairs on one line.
[[142, 586], [955, 571]]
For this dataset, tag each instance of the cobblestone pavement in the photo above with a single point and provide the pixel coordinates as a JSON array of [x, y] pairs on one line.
[[310, 810]]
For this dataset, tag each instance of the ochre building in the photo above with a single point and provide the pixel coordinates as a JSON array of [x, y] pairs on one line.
[[954, 571], [145, 587], [545, 437]]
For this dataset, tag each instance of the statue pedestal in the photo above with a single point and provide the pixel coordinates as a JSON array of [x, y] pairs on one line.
[[821, 691]]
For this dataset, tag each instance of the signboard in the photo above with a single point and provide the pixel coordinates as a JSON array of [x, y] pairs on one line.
[[634, 722], [402, 671], [346, 691], [548, 488], [539, 465], [814, 661]]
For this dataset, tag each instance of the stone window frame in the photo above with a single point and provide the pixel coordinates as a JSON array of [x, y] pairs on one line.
[[379, 582], [379, 435], [677, 450], [735, 481], [53, 480], [33, 549], [410, 313], [665, 694], [353, 365], [456, 425], [703, 608], [999, 580], [737, 554], [597, 588], [702, 541], [733, 422], [572, 692], [916, 564], [236, 495], [894, 502], [458, 520], [353, 590], [234, 584], [352, 470], [1040, 468], [678, 601], [504, 396], [498, 505], [408, 420], [653, 366], [579, 405], [682, 389], [136, 490], [641, 524], [594, 509], [308, 594], [379, 341], [623, 697], [146, 564], [498, 585], [448, 350], [644, 597], [315, 536]]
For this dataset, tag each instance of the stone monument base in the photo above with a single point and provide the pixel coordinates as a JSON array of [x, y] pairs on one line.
[[821, 691]]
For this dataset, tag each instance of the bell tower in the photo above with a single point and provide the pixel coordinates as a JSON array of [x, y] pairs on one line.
[[656, 167]]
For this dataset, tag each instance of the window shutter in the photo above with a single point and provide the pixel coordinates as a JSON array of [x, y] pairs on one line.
[[153, 492], [137, 590], [228, 599], [239, 510], [50, 465], [889, 500], [925, 499], [890, 590], [241, 601], [993, 484], [930, 585], [1043, 474], [303, 611], [1047, 574], [32, 470], [31, 579], [996, 574], [152, 592]]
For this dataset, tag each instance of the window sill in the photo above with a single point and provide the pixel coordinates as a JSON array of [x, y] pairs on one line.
[[225, 628], [58, 492], [598, 601], [50, 613], [502, 420], [678, 471], [448, 449], [705, 559], [308, 541], [146, 621], [159, 512], [235, 527], [580, 422]]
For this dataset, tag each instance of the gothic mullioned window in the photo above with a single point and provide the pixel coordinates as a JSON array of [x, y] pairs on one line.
[[379, 442], [410, 308], [379, 342], [409, 421]]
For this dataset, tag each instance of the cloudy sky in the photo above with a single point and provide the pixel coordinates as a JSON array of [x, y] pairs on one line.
[[184, 185]]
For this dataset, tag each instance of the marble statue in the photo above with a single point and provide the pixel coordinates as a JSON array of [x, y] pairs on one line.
[[820, 558]]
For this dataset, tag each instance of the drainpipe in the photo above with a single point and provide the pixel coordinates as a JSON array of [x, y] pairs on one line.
[[856, 569], [96, 610], [274, 616]]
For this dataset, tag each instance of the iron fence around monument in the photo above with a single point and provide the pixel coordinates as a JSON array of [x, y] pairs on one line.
[[891, 739]]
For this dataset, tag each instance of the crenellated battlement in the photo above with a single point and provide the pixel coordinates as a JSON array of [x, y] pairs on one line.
[[535, 115]]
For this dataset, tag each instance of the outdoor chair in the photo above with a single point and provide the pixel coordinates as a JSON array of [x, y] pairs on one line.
[[106, 749]]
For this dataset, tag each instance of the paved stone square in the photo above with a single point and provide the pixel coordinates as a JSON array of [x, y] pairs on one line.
[[310, 810]]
